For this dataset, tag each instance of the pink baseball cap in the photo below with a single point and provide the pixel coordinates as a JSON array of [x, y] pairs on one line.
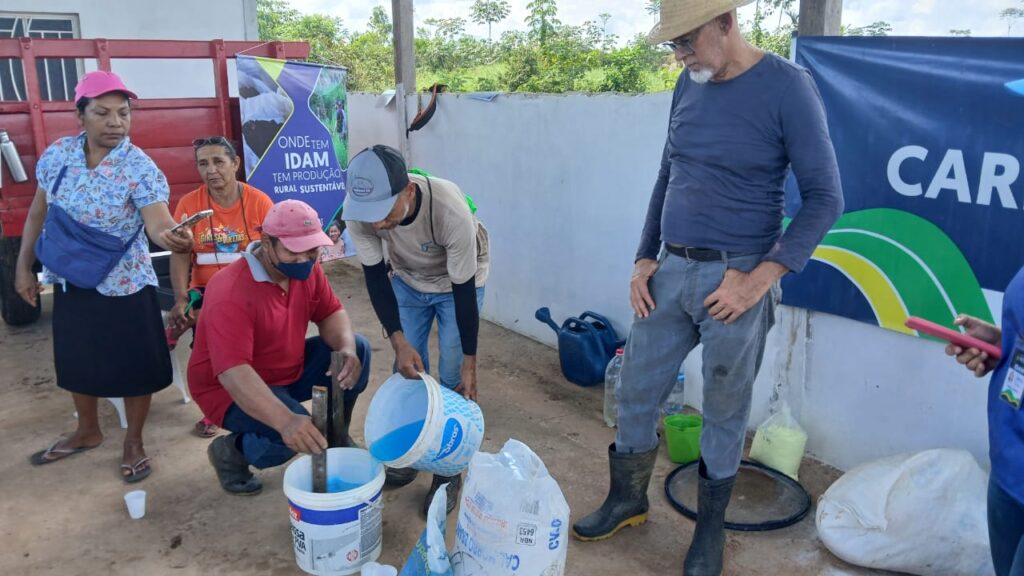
[[100, 82], [297, 225]]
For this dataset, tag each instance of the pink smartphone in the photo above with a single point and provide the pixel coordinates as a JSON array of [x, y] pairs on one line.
[[952, 336]]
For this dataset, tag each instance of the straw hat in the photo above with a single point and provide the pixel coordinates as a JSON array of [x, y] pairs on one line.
[[681, 16]]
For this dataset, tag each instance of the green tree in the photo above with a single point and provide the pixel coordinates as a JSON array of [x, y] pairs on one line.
[[653, 8], [965, 32], [490, 12], [1011, 15], [625, 69], [271, 15], [277, 20], [542, 19], [447, 28], [380, 22], [879, 28]]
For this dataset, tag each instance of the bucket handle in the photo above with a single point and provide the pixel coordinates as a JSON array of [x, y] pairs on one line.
[[597, 317], [580, 325]]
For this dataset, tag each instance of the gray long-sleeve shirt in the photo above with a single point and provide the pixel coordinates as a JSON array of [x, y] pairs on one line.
[[729, 147]]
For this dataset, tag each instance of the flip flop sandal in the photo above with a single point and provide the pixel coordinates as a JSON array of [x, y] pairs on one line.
[[205, 429], [139, 471], [42, 457]]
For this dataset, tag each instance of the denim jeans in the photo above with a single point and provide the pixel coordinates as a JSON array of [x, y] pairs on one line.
[[417, 311], [1005, 531], [658, 344], [263, 446]]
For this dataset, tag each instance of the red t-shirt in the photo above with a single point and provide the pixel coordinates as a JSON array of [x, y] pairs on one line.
[[251, 320]]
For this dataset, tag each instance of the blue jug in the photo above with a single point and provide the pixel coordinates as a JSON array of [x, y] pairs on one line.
[[584, 346]]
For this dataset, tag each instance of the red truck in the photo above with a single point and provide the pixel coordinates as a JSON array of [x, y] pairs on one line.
[[164, 128]]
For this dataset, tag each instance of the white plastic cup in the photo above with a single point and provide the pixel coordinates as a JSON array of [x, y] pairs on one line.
[[136, 501]]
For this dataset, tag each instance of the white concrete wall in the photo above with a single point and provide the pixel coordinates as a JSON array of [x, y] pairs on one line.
[[178, 20], [562, 183]]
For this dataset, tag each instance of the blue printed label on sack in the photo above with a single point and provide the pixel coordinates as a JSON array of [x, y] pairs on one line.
[[451, 439]]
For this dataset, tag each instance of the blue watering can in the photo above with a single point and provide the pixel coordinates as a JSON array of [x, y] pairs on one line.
[[584, 346]]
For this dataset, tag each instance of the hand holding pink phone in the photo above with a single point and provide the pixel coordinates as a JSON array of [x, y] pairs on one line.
[[952, 336]]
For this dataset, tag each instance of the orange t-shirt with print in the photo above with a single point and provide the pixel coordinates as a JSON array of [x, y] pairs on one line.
[[221, 238]]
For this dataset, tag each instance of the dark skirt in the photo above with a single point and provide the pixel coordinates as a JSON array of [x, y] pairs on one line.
[[109, 346]]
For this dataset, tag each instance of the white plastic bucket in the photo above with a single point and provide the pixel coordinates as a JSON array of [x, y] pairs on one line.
[[452, 429], [336, 533]]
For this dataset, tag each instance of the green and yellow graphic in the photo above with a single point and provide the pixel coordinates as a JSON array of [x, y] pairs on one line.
[[904, 266]]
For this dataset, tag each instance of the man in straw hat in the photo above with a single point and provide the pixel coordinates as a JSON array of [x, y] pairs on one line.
[[740, 118]]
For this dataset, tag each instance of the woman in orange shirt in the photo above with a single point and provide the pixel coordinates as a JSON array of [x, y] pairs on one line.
[[238, 211]]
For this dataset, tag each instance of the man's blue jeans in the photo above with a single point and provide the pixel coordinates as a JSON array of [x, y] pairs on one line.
[[417, 311], [1005, 531], [732, 356], [263, 446]]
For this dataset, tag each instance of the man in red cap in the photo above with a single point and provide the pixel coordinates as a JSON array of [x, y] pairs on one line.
[[253, 365]]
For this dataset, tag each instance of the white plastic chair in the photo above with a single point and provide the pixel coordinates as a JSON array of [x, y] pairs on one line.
[[179, 374]]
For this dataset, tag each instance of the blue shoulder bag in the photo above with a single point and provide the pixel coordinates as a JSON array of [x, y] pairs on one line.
[[80, 254]]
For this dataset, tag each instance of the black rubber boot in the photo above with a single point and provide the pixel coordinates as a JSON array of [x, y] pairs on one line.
[[398, 477], [705, 555], [453, 490], [626, 504], [231, 467]]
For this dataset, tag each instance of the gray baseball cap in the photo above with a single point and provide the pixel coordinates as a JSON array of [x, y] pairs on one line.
[[375, 177]]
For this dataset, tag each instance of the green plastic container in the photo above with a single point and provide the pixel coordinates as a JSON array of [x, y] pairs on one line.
[[682, 434]]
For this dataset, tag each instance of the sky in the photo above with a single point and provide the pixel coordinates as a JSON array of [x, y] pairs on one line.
[[628, 17]]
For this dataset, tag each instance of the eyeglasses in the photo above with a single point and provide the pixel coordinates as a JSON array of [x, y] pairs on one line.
[[684, 43]]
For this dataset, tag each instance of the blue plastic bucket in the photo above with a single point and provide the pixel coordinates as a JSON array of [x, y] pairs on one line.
[[423, 425]]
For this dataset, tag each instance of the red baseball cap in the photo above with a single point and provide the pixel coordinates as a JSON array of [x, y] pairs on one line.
[[100, 82], [297, 225]]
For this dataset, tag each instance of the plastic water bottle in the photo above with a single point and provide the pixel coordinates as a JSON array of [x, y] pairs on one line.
[[611, 384], [675, 402]]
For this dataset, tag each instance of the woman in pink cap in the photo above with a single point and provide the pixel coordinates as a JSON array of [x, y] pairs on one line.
[[108, 340]]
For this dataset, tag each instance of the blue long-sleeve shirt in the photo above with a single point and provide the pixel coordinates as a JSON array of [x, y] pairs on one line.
[[729, 147]]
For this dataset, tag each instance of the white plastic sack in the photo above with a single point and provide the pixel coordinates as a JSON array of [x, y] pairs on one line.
[[513, 519], [429, 557], [779, 442], [921, 513]]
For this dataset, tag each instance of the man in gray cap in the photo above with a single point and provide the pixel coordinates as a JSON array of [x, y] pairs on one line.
[[740, 118], [437, 250]]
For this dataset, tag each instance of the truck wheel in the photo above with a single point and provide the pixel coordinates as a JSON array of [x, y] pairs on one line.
[[14, 310]]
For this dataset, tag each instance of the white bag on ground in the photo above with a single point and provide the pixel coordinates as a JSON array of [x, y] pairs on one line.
[[429, 557], [779, 442], [513, 518], [921, 513]]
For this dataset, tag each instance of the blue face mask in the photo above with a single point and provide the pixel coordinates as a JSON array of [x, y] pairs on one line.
[[296, 270]]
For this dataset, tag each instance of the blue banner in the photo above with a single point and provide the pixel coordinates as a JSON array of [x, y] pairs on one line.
[[295, 137], [927, 132]]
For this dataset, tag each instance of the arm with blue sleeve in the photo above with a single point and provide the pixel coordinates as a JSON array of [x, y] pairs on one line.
[[813, 161], [650, 238]]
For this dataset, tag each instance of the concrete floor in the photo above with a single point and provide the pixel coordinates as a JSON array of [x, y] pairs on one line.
[[69, 517]]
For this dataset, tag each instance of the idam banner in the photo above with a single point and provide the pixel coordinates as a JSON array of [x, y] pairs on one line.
[[295, 137]]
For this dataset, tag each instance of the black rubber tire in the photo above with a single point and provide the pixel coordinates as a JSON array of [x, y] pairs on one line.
[[14, 310]]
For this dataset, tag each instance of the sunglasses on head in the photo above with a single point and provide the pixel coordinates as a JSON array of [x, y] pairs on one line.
[[212, 141]]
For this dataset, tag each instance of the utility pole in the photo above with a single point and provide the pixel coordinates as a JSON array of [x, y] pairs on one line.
[[820, 17], [405, 65]]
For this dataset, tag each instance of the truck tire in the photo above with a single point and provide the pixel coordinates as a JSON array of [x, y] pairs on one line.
[[14, 310]]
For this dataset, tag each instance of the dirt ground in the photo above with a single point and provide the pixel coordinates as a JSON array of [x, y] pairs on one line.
[[69, 517]]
